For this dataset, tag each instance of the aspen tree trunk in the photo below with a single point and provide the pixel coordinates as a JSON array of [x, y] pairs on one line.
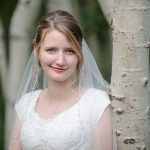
[[20, 43], [130, 73], [149, 113]]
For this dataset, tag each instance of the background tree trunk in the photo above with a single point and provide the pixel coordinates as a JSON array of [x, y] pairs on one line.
[[20, 43], [68, 5], [130, 73], [107, 7]]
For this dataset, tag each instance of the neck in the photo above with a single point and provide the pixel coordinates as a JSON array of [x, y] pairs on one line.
[[59, 90]]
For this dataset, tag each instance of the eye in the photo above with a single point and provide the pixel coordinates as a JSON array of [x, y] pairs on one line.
[[69, 51], [51, 50]]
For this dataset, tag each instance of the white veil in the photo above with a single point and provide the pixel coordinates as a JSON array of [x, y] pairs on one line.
[[33, 79], [90, 76]]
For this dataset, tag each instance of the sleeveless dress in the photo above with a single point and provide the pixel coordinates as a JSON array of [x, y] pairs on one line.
[[69, 130]]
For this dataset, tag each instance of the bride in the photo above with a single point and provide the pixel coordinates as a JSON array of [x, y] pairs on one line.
[[63, 102]]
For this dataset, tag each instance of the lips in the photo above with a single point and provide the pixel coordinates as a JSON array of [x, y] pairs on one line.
[[58, 69]]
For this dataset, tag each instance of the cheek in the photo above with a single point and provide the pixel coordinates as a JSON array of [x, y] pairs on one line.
[[44, 58], [74, 62]]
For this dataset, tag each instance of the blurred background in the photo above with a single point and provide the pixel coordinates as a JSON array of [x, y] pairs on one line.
[[16, 43]]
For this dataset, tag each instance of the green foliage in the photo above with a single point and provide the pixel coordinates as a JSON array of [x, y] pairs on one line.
[[6, 11], [93, 20], [94, 23]]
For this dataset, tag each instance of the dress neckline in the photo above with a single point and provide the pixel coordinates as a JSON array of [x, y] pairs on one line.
[[39, 117]]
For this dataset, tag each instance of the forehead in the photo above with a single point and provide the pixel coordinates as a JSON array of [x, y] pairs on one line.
[[55, 38]]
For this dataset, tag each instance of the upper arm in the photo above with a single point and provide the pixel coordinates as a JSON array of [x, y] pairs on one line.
[[15, 141], [21, 108], [105, 129]]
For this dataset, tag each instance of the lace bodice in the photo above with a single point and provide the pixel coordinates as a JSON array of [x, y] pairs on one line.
[[69, 130]]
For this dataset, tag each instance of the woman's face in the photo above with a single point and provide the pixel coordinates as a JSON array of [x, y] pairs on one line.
[[57, 57]]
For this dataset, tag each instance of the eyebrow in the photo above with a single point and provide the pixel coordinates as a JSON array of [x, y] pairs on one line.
[[47, 47], [57, 47], [69, 48]]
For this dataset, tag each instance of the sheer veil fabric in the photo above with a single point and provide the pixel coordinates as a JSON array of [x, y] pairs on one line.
[[89, 77]]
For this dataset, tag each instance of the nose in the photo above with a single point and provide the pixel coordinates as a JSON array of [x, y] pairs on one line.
[[60, 61]]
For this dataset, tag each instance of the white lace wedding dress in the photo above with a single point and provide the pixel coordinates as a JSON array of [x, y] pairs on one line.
[[69, 130]]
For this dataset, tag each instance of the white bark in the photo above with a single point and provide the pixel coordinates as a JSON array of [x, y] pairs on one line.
[[107, 7], [3, 63], [130, 73], [21, 39], [149, 112], [20, 42]]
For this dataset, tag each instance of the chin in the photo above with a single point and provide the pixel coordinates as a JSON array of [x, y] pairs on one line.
[[56, 77], [59, 79]]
